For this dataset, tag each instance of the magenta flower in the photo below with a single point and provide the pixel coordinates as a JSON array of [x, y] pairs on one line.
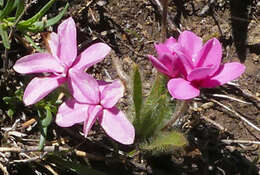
[[113, 121], [199, 65], [61, 64]]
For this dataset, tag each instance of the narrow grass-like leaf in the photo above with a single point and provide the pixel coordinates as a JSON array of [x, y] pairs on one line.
[[20, 8], [4, 36], [7, 10], [41, 25], [43, 138], [37, 16], [137, 92], [47, 120], [165, 142], [44, 123]]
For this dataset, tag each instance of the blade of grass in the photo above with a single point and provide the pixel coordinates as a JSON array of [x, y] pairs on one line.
[[41, 25], [7, 10], [137, 92], [37, 16]]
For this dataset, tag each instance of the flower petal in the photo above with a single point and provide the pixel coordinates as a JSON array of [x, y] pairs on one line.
[[71, 112], [40, 87], [191, 44], [93, 112], [170, 43], [111, 94], [68, 42], [36, 63], [166, 47], [200, 73], [158, 65], [117, 126], [210, 55], [92, 55], [182, 89], [84, 88], [226, 73], [52, 43]]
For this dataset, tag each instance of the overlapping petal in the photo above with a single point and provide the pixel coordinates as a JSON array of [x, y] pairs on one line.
[[191, 44], [92, 55], [182, 89], [71, 112], [93, 113], [210, 55], [40, 87], [226, 73], [111, 94], [117, 126], [201, 73], [38, 63], [84, 88], [67, 42], [159, 65]]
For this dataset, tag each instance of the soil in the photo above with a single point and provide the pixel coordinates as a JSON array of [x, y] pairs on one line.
[[131, 27]]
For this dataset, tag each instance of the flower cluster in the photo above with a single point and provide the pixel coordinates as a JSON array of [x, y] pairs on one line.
[[192, 65], [93, 99], [189, 64]]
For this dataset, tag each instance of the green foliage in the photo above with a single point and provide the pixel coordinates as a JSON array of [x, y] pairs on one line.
[[72, 166], [165, 142], [152, 114], [155, 111], [33, 24], [137, 92], [13, 102], [45, 121]]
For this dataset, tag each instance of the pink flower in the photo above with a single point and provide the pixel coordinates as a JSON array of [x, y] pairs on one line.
[[167, 62], [113, 121], [61, 64], [199, 65]]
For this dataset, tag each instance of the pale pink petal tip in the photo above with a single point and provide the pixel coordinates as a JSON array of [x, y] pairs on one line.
[[40, 87], [92, 55], [37, 63], [67, 41], [117, 126], [182, 89]]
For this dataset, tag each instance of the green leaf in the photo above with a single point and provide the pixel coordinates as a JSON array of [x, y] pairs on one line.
[[156, 110], [137, 92], [41, 25], [37, 16], [43, 138], [73, 166], [7, 10], [20, 8], [4, 36], [44, 123], [165, 142], [47, 120]]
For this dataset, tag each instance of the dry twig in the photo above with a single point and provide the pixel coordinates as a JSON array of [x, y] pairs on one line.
[[227, 141], [236, 114], [4, 169]]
